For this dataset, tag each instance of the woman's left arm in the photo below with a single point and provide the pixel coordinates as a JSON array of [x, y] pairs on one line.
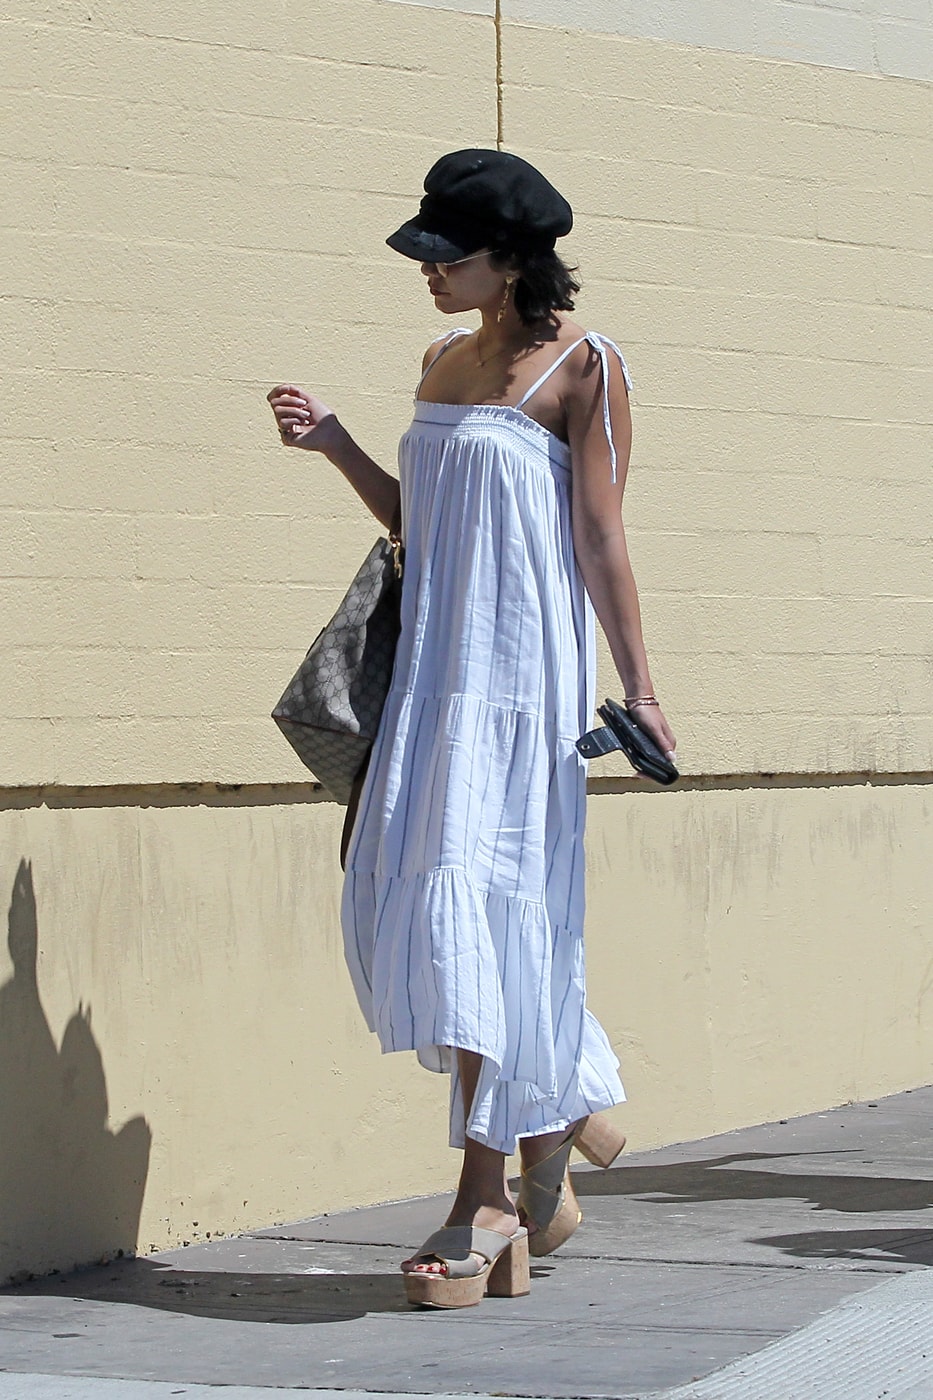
[[598, 533]]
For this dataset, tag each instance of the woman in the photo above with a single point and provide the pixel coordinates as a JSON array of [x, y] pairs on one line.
[[463, 900]]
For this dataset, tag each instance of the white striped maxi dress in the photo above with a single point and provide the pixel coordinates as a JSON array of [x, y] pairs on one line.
[[463, 900]]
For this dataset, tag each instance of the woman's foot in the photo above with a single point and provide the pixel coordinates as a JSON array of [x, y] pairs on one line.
[[548, 1207], [545, 1188], [476, 1263], [498, 1214], [483, 1200]]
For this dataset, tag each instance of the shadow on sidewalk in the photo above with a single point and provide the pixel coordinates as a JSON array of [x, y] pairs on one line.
[[865, 1246], [302, 1298], [710, 1179], [289, 1298]]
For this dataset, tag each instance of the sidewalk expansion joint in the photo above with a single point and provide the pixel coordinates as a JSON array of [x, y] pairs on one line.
[[864, 1266]]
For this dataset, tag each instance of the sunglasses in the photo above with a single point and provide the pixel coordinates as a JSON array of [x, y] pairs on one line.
[[444, 267]]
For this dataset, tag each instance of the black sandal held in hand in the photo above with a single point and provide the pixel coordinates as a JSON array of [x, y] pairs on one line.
[[623, 733]]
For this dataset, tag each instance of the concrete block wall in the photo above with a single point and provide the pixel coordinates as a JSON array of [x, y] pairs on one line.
[[758, 236], [193, 217], [195, 204]]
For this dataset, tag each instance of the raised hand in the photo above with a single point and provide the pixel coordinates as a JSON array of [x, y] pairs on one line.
[[302, 419]]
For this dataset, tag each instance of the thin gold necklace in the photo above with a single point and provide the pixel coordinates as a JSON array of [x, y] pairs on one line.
[[503, 349]]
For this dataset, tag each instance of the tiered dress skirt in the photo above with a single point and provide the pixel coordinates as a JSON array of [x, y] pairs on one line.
[[464, 895]]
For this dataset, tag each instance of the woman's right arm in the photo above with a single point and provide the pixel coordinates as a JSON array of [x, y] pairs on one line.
[[305, 421]]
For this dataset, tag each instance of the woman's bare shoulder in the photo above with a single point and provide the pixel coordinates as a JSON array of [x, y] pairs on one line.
[[571, 331], [557, 340], [441, 341], [590, 353], [583, 384], [584, 359]]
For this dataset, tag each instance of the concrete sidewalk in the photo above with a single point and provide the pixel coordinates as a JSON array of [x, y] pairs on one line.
[[783, 1262]]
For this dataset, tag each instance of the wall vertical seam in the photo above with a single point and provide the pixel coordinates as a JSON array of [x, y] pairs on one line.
[[498, 23]]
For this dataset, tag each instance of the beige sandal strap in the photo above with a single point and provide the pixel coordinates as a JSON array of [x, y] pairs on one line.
[[542, 1186], [457, 1246], [539, 1202], [550, 1171]]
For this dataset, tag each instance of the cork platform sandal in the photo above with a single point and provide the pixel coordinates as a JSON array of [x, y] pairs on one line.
[[500, 1271], [546, 1195]]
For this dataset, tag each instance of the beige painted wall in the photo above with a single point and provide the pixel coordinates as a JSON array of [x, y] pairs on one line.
[[198, 208], [194, 203], [759, 235], [196, 200], [188, 1051]]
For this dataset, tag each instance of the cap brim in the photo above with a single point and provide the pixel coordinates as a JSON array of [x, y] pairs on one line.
[[412, 241]]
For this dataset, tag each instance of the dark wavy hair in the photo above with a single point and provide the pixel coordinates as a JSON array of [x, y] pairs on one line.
[[545, 283]]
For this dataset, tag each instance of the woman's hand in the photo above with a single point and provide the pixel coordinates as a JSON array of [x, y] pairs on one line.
[[303, 420], [306, 421], [651, 719]]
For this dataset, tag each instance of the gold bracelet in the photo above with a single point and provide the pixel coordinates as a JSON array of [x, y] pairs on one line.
[[632, 703]]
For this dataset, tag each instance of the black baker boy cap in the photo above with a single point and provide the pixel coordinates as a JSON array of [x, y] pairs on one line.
[[483, 199]]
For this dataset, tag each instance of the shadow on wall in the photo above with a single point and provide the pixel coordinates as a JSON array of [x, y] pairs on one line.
[[71, 1190]]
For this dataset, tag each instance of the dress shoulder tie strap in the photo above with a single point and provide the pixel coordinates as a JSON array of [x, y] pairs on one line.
[[548, 372], [599, 344], [448, 339]]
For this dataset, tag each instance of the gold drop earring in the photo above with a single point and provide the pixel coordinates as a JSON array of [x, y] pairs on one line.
[[504, 305]]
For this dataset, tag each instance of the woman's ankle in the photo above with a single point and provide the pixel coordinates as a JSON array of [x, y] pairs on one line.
[[476, 1192], [501, 1215], [483, 1189], [535, 1149]]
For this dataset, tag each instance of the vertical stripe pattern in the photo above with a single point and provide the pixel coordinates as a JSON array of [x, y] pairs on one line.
[[463, 901]]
